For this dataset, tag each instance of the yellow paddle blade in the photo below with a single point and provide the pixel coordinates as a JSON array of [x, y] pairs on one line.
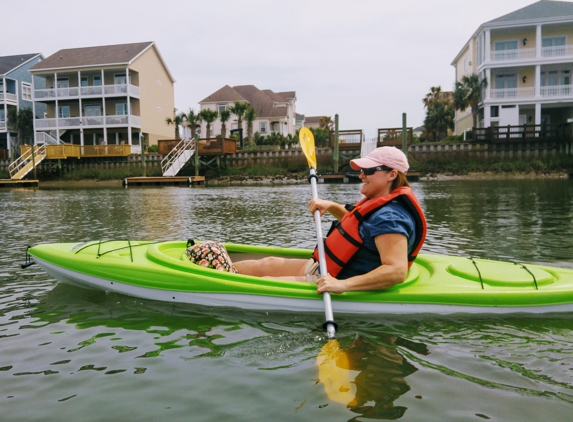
[[306, 139], [335, 374]]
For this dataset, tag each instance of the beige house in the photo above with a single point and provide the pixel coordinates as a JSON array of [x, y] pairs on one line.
[[527, 58], [103, 95], [275, 111]]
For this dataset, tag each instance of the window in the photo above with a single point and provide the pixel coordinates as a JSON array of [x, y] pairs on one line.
[[26, 91], [119, 79], [97, 80], [505, 50], [63, 83], [63, 112], [84, 81], [553, 46], [92, 110], [506, 85], [494, 111], [221, 107], [121, 109], [263, 127], [2, 115]]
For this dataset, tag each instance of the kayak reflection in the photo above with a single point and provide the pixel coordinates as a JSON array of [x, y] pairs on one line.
[[368, 375]]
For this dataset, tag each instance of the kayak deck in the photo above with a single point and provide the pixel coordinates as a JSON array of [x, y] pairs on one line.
[[435, 283]]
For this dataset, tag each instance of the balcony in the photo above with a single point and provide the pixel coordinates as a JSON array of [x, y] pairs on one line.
[[553, 91], [119, 90], [3, 125], [531, 53], [88, 122], [9, 97]]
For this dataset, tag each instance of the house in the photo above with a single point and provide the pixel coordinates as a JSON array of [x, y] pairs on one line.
[[275, 111], [15, 92], [312, 122], [527, 58], [104, 95]]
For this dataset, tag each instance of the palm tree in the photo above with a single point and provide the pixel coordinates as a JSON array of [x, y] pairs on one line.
[[439, 118], [22, 120], [208, 116], [250, 116], [224, 116], [192, 120], [176, 121], [435, 94], [468, 93], [239, 109]]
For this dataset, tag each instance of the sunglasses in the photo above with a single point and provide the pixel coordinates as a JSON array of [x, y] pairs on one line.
[[370, 171]]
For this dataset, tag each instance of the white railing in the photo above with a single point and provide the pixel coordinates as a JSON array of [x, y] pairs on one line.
[[88, 121], [8, 97], [46, 123], [135, 121], [46, 138], [18, 168], [2, 124], [517, 54], [177, 157], [92, 121], [557, 51], [91, 90], [120, 120], [512, 93], [556, 91], [88, 91]]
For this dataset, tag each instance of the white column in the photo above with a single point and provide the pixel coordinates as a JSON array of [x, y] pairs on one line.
[[103, 113], [538, 41], [486, 115], [489, 84], [33, 107], [487, 46], [537, 82], [537, 113]]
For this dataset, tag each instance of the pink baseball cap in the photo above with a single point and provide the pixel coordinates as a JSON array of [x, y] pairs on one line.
[[384, 156]]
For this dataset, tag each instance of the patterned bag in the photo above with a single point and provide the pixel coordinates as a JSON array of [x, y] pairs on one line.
[[211, 255]]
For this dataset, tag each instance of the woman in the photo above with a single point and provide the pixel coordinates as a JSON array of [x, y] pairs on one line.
[[375, 241]]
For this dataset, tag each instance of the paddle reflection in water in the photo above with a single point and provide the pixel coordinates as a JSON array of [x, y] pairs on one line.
[[369, 374]]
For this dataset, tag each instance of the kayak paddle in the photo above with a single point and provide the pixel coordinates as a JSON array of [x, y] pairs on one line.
[[306, 139]]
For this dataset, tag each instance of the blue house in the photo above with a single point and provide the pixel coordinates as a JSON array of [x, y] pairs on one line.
[[15, 92]]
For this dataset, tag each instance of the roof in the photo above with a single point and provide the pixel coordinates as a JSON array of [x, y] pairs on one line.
[[9, 63], [120, 54], [541, 10], [263, 101], [312, 119]]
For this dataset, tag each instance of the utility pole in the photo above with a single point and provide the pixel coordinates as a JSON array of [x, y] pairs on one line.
[[404, 135], [335, 149]]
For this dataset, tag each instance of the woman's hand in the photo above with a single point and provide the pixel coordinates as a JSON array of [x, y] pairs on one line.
[[330, 284], [323, 206]]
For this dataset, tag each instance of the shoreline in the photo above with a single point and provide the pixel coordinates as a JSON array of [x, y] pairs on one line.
[[286, 180]]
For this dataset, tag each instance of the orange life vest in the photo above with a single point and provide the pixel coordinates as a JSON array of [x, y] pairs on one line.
[[343, 241]]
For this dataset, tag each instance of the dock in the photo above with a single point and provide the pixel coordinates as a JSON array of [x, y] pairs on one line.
[[164, 181], [17, 183], [353, 177]]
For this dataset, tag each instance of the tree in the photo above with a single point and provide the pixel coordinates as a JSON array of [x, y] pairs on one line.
[[208, 116], [192, 120], [468, 93], [239, 109], [22, 120], [321, 136], [177, 120], [250, 116], [439, 118], [224, 115], [325, 122], [435, 94]]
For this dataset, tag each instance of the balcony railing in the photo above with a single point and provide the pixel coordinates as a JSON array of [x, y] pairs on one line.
[[512, 93], [530, 53], [8, 97], [516, 54], [2, 125], [88, 121], [556, 91], [87, 91], [543, 132]]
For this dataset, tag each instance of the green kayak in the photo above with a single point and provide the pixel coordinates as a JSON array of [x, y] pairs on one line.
[[435, 284]]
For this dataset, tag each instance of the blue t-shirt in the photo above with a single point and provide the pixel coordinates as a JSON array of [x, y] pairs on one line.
[[392, 218]]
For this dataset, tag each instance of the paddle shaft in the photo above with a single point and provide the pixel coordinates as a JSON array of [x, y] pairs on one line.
[[330, 328]]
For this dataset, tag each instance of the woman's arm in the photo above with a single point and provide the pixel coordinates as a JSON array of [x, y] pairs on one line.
[[393, 249], [337, 210]]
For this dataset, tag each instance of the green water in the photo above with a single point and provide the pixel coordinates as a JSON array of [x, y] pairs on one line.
[[73, 354]]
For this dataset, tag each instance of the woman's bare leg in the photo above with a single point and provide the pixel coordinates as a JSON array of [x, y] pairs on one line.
[[272, 267]]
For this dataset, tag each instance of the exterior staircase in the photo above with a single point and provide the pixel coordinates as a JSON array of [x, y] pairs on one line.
[[177, 158], [24, 164]]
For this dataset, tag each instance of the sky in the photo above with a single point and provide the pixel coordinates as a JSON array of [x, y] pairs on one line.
[[369, 61]]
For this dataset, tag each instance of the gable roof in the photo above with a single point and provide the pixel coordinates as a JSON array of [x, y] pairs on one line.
[[9, 63], [106, 55], [543, 9], [263, 101], [224, 94]]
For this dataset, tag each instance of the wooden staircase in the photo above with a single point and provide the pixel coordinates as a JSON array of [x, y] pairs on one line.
[[24, 164]]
